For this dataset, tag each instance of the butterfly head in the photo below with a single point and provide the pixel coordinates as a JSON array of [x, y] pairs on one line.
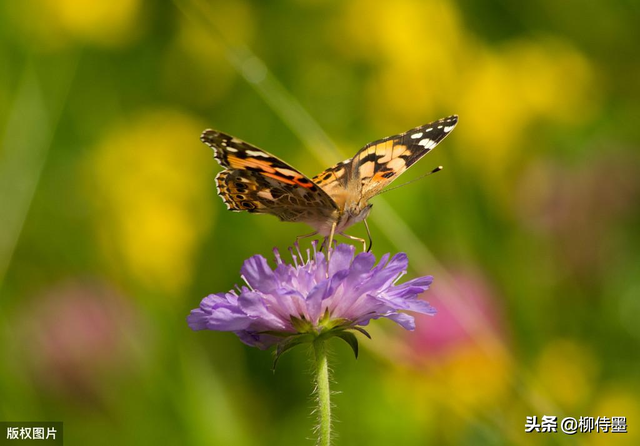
[[354, 214]]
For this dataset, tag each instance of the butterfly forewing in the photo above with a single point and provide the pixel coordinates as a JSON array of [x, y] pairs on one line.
[[378, 163]]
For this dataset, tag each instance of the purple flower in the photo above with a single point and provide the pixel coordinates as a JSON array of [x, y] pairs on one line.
[[313, 298]]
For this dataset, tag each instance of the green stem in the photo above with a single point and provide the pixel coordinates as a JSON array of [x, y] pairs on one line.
[[324, 396]]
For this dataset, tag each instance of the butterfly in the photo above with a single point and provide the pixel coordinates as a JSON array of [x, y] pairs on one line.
[[256, 181]]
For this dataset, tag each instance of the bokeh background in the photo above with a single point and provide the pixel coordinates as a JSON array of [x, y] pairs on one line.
[[111, 230]]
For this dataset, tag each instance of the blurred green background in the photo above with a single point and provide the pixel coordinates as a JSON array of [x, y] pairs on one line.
[[111, 230]]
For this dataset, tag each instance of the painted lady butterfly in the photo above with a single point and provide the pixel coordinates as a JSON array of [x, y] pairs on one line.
[[256, 181]]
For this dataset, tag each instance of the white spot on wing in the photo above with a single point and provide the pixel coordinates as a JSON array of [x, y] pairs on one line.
[[231, 149], [416, 135], [257, 153], [448, 128], [427, 143], [429, 129]]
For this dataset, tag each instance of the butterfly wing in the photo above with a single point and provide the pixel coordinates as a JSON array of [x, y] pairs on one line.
[[256, 181], [334, 181], [380, 162]]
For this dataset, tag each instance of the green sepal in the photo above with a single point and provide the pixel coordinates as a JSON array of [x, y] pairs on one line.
[[350, 339], [362, 330], [301, 325], [326, 317], [290, 342], [337, 323], [278, 334]]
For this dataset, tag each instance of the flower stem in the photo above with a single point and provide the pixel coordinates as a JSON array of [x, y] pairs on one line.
[[322, 388]]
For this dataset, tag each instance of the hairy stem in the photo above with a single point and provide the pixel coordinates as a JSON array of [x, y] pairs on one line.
[[323, 393]]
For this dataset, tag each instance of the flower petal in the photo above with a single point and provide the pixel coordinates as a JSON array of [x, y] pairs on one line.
[[255, 307], [353, 290], [254, 339], [314, 300], [341, 258], [410, 288], [197, 319], [320, 264], [228, 319], [382, 278], [404, 320], [258, 274]]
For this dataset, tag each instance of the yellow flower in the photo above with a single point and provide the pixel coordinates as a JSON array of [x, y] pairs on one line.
[[617, 401], [53, 23], [566, 373], [414, 66], [152, 183], [510, 90]]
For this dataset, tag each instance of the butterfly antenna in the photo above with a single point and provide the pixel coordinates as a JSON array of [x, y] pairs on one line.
[[437, 169]]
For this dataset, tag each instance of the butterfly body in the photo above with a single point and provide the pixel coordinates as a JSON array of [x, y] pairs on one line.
[[256, 181]]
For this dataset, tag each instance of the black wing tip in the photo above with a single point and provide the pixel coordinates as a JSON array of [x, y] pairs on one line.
[[453, 119], [446, 125], [207, 135]]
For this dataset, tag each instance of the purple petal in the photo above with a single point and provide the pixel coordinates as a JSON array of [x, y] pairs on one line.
[[361, 265], [287, 302], [382, 263], [259, 340], [321, 267], [258, 274], [341, 258], [314, 299], [352, 288], [410, 289], [197, 319], [228, 319], [404, 320], [419, 306], [365, 305], [210, 301], [358, 274], [383, 278], [254, 306], [322, 291], [284, 272], [216, 312]]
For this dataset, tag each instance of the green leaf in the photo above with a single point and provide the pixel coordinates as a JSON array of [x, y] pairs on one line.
[[288, 344], [350, 339]]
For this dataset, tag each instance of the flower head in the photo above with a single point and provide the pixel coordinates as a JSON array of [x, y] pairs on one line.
[[313, 298]]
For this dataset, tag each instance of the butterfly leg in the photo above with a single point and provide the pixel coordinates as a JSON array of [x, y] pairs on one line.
[[357, 239], [300, 237], [330, 242], [366, 225]]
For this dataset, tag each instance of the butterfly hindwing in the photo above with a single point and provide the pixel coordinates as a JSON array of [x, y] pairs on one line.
[[334, 181], [256, 181]]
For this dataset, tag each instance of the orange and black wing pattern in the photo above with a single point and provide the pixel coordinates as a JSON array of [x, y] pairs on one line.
[[256, 181]]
